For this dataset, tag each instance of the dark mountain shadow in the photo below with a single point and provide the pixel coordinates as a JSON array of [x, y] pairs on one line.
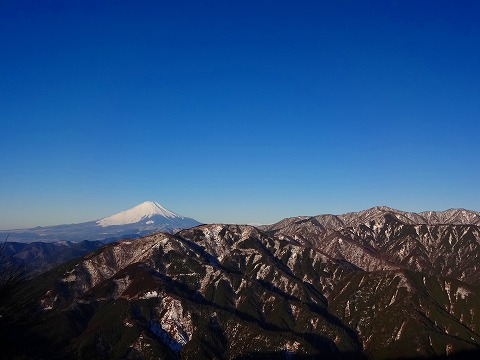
[[461, 355], [285, 354], [19, 340], [274, 355]]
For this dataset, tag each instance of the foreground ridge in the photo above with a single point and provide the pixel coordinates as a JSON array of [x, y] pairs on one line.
[[378, 284]]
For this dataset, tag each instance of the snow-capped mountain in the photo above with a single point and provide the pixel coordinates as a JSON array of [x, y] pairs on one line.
[[145, 218], [147, 210]]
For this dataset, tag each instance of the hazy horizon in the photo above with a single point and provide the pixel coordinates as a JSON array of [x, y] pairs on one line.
[[238, 112]]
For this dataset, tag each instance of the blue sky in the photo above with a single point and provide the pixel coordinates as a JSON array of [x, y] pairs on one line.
[[237, 111]]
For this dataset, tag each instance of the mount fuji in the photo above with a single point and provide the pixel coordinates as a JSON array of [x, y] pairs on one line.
[[148, 210], [145, 218]]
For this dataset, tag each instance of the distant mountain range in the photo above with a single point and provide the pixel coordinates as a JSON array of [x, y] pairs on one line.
[[447, 217], [39, 256], [41, 248], [376, 284], [145, 218]]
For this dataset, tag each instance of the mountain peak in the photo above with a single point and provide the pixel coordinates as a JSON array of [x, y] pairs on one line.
[[143, 211], [153, 208], [383, 208]]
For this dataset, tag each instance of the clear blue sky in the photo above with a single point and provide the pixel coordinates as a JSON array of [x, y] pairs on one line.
[[237, 111]]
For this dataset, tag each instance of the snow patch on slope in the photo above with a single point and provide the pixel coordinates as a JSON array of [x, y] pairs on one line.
[[175, 326]]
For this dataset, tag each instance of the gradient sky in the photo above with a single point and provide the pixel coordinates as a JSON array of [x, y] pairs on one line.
[[237, 111]]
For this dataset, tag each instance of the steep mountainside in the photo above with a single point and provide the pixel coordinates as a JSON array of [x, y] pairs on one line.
[[378, 240], [380, 286]]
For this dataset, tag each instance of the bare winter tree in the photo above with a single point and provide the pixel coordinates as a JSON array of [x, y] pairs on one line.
[[11, 271], [15, 317]]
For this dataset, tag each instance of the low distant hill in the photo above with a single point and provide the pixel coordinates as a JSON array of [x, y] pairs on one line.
[[36, 257]]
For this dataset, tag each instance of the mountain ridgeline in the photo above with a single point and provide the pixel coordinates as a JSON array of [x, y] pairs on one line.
[[377, 284]]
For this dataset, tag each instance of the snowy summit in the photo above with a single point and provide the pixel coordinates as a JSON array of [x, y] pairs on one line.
[[143, 211]]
